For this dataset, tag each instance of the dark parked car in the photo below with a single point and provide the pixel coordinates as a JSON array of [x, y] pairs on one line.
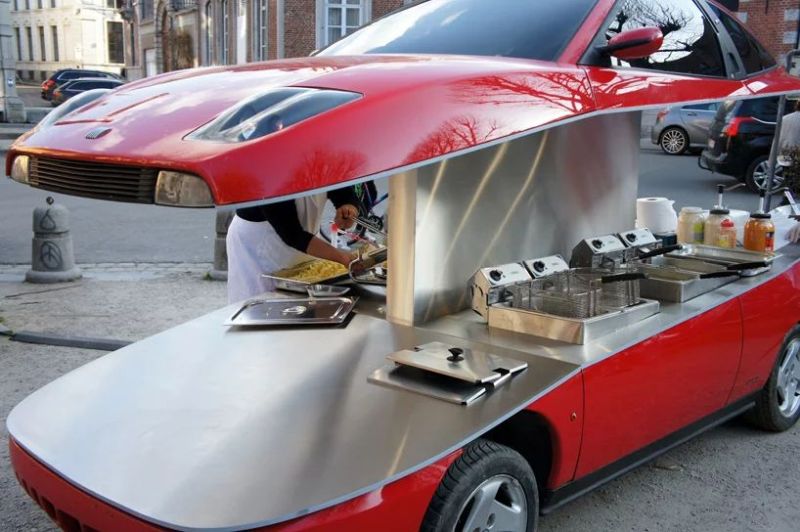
[[68, 74], [680, 128], [740, 139], [77, 86]]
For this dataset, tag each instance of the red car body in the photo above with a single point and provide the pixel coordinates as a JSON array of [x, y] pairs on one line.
[[417, 109]]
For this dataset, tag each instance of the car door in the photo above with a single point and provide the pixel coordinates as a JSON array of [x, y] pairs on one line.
[[644, 394], [697, 119]]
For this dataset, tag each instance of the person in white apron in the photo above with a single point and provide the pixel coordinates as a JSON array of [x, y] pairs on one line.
[[272, 237]]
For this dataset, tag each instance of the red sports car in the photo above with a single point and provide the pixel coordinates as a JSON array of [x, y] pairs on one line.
[[524, 111]]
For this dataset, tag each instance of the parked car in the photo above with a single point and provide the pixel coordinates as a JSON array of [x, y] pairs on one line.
[[77, 86], [740, 139], [678, 129], [67, 74], [456, 102]]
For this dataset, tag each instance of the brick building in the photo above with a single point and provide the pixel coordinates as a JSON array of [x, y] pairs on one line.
[[776, 23], [163, 35]]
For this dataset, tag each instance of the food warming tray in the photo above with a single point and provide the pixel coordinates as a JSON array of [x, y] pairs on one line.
[[293, 311], [446, 372], [669, 283], [298, 278], [717, 255]]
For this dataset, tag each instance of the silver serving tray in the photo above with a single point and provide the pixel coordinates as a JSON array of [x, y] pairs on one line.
[[292, 311], [724, 256]]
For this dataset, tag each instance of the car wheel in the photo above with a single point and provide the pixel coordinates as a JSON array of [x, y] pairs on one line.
[[778, 404], [757, 173], [674, 141], [489, 487]]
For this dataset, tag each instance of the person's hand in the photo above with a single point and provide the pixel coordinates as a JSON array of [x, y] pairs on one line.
[[794, 234], [346, 216]]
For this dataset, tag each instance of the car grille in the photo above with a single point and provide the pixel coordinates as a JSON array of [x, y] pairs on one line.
[[94, 180]]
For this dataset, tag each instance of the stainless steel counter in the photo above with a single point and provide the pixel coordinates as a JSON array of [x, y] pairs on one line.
[[205, 427], [470, 326]]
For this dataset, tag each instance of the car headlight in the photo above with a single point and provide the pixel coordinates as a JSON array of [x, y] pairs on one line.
[[270, 112], [182, 190], [19, 168], [70, 105]]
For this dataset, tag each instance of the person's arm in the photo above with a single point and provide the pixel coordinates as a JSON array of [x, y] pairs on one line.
[[345, 201], [284, 219]]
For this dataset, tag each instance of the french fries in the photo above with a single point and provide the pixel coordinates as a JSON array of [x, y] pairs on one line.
[[313, 271]]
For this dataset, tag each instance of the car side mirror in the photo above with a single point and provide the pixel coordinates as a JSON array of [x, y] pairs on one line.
[[634, 44]]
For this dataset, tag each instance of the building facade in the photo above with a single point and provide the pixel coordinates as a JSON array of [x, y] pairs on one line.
[[776, 23], [164, 35], [51, 34]]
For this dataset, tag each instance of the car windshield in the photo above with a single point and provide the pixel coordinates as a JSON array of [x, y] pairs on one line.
[[529, 29]]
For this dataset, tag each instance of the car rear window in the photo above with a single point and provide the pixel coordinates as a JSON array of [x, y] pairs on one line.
[[762, 108]]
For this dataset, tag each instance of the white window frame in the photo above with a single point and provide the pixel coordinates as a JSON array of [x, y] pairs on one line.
[[260, 30], [365, 15], [208, 49]]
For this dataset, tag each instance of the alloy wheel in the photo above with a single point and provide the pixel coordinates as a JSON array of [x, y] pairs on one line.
[[761, 174], [788, 388], [673, 141], [496, 505]]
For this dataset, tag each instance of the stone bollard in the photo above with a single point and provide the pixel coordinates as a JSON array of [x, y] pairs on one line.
[[220, 271], [52, 259]]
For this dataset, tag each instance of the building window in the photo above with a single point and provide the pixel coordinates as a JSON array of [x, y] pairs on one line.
[[147, 9], [29, 35], [42, 47], [52, 3], [209, 12], [260, 34], [39, 4], [342, 17], [224, 47], [54, 32], [16, 5], [18, 37], [116, 47], [27, 4]]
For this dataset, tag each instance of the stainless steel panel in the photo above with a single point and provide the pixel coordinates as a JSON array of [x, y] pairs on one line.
[[571, 330], [207, 427], [531, 197]]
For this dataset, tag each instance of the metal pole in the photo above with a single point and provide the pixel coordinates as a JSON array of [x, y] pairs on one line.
[[776, 141]]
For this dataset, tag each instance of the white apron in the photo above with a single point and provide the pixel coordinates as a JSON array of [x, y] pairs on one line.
[[255, 248]]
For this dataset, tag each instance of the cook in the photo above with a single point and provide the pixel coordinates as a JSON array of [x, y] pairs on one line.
[[267, 238]]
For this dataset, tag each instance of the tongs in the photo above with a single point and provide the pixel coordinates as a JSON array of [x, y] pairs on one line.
[[366, 262]]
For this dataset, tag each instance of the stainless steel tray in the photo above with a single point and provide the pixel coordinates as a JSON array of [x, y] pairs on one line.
[[425, 383], [721, 255], [292, 311]]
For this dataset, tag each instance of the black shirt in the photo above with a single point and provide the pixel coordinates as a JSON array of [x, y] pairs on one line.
[[283, 217]]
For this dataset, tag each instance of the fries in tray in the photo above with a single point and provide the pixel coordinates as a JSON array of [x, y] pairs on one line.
[[312, 272]]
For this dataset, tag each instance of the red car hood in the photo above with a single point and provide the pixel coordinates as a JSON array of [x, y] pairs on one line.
[[414, 108]]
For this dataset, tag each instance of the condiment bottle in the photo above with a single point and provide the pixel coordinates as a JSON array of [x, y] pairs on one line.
[[727, 234], [716, 217], [691, 225], [759, 231]]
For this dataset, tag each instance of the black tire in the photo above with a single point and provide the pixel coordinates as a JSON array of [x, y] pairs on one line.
[[483, 462], [674, 141], [755, 183], [767, 413]]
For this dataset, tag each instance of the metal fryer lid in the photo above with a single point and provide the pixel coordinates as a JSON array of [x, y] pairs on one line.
[[466, 365]]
